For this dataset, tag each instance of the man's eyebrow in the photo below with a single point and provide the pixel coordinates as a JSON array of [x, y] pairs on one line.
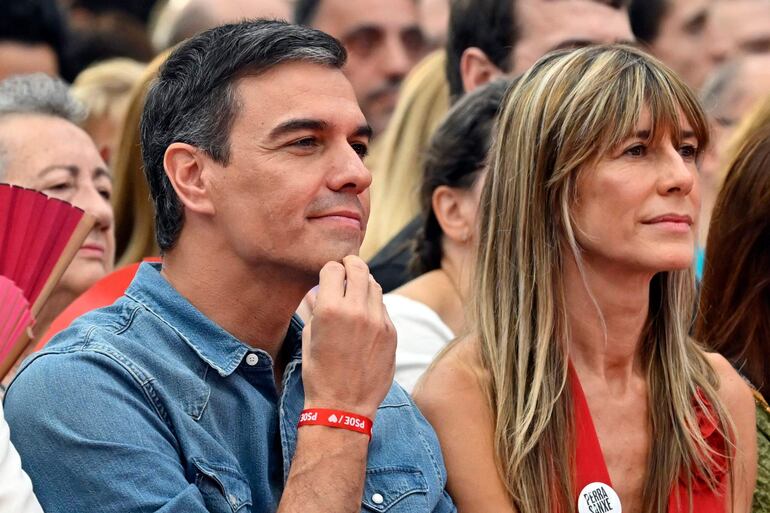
[[697, 19], [364, 131], [296, 125], [361, 29]]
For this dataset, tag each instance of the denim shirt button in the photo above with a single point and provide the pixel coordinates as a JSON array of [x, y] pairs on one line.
[[252, 359], [233, 500], [377, 498]]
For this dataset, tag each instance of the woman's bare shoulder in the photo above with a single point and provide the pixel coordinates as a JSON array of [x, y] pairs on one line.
[[733, 390], [738, 399], [457, 370], [452, 396]]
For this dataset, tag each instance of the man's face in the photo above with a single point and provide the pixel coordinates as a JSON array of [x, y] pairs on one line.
[[23, 59], [682, 38], [740, 27], [384, 42], [55, 157], [545, 26], [745, 91], [294, 195]]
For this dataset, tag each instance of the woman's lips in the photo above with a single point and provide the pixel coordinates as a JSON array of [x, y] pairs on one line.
[[91, 249], [672, 222]]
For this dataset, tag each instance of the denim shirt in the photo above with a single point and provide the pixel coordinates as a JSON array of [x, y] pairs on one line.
[[149, 406]]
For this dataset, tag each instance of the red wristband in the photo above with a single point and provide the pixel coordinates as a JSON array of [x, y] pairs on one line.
[[336, 419]]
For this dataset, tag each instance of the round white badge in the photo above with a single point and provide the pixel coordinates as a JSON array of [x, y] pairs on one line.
[[598, 498]]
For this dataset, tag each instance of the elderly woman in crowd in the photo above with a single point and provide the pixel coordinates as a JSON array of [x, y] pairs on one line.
[[42, 148], [580, 389]]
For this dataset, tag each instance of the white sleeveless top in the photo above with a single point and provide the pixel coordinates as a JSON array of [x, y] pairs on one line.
[[421, 335], [15, 487]]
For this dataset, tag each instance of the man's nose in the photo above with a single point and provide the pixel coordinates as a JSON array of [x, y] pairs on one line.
[[349, 173], [396, 60]]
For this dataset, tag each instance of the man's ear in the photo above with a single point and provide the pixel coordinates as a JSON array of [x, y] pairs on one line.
[[448, 207], [184, 165], [476, 69]]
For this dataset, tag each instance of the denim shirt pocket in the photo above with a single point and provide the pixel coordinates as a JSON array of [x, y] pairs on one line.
[[224, 489], [396, 489]]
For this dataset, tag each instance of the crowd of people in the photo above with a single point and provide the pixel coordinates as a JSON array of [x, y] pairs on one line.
[[395, 255]]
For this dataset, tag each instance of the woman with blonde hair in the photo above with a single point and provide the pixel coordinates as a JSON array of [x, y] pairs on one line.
[[104, 89], [134, 222], [580, 387]]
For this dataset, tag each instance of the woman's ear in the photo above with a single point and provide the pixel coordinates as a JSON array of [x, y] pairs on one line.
[[451, 208], [184, 167], [476, 69]]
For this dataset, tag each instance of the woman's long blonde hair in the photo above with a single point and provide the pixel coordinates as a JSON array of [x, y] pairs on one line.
[[568, 110], [134, 212]]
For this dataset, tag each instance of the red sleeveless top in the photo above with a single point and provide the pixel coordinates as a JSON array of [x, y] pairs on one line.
[[591, 467]]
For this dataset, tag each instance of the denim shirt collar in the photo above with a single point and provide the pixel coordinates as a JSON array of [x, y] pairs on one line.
[[208, 340]]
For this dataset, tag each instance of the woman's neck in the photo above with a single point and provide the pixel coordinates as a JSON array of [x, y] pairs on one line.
[[606, 346], [444, 290]]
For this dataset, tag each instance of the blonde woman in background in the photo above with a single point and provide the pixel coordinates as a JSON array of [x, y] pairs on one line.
[[429, 311], [580, 387], [134, 213], [104, 90], [396, 156]]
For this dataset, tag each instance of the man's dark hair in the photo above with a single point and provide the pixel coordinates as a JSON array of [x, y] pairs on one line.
[[194, 99], [456, 155], [487, 24], [490, 25], [646, 16], [35, 22], [305, 11]]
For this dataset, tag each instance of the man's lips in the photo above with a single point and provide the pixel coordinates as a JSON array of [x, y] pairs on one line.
[[348, 217]]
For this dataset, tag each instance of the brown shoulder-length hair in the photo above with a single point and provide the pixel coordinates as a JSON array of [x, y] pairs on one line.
[[734, 315]]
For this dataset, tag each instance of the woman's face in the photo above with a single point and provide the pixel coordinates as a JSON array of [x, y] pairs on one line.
[[59, 159], [637, 207]]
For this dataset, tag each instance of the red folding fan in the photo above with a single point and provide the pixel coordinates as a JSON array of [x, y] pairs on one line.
[[39, 237]]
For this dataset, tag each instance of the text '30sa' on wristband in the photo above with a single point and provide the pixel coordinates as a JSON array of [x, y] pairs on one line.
[[336, 419]]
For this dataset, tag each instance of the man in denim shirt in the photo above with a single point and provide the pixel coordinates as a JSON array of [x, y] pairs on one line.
[[185, 395]]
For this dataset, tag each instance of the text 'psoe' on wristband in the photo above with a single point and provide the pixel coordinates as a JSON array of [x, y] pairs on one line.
[[336, 419]]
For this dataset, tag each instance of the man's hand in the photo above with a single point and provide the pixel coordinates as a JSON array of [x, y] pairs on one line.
[[348, 347]]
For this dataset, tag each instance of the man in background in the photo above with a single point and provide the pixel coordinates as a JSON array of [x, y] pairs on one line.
[[488, 39], [728, 97], [384, 41], [33, 38], [681, 34], [180, 20], [740, 27]]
